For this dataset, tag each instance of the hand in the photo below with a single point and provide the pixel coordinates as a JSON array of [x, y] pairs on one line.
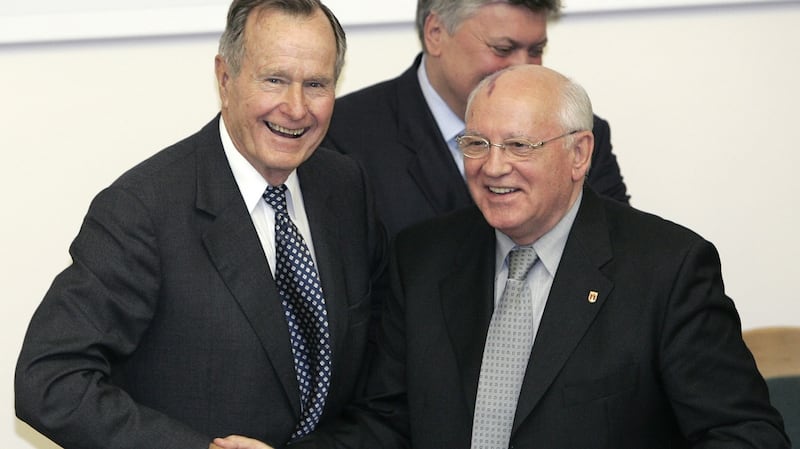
[[238, 442]]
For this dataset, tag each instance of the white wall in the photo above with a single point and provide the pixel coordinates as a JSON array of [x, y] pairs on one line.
[[702, 104]]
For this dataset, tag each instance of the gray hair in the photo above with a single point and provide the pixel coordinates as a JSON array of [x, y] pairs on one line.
[[232, 45], [575, 112], [574, 107], [454, 12]]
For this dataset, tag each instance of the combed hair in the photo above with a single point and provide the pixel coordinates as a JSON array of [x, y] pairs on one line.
[[232, 45], [454, 12]]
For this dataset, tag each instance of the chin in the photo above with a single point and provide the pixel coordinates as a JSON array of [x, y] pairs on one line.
[[506, 225]]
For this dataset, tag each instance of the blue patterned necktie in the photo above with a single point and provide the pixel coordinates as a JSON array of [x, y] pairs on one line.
[[505, 356], [304, 307]]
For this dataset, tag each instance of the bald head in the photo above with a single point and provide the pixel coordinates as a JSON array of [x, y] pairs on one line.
[[553, 94], [524, 76]]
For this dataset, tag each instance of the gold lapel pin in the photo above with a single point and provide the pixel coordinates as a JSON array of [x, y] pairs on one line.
[[592, 297]]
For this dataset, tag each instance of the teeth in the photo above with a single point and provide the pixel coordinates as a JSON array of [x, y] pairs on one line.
[[501, 190], [281, 129]]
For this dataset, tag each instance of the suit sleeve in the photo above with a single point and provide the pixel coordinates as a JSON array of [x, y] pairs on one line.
[[604, 174], [93, 316], [716, 392]]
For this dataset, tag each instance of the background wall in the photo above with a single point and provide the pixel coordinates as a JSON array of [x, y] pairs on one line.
[[702, 103]]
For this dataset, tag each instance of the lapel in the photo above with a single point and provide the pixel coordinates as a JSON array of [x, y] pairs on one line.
[[234, 248], [568, 313], [432, 168], [468, 300]]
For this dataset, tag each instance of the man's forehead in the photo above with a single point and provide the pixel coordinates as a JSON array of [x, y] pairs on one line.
[[494, 19], [532, 96]]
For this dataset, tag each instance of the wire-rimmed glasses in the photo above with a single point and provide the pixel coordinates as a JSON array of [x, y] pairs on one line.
[[475, 146]]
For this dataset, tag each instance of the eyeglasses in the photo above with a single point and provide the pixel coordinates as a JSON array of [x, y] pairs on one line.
[[476, 147]]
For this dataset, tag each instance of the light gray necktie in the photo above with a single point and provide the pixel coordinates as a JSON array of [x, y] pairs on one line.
[[505, 356]]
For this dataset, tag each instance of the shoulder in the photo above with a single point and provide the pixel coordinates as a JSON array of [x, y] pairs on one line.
[[327, 172], [447, 232], [602, 134], [637, 248], [176, 158], [328, 163], [378, 101], [191, 173], [600, 122], [639, 232], [370, 96], [365, 112]]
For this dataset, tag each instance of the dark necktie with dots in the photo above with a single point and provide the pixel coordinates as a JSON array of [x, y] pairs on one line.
[[304, 308]]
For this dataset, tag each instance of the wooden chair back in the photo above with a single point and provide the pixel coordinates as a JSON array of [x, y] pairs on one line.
[[776, 350]]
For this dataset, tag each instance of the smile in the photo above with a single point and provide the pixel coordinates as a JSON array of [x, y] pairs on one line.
[[286, 132], [502, 190]]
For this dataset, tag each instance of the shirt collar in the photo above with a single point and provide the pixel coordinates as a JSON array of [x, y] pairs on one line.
[[450, 125], [251, 184], [549, 248]]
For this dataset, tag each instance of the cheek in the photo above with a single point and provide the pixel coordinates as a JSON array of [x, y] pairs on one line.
[[259, 104], [472, 168], [322, 108], [241, 107], [473, 183]]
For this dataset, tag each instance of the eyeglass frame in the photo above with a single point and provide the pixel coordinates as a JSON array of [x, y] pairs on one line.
[[531, 146]]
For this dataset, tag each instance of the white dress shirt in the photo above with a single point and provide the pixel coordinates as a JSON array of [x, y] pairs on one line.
[[252, 186], [450, 124]]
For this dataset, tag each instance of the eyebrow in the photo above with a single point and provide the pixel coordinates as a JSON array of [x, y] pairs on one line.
[[515, 43], [280, 72]]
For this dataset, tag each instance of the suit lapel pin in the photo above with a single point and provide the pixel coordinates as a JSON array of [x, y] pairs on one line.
[[592, 297]]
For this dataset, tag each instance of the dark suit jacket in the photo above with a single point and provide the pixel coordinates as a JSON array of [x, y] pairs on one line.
[[389, 128], [657, 361], [167, 329]]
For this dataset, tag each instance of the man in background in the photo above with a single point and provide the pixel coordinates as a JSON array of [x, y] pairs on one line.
[[223, 285], [403, 130]]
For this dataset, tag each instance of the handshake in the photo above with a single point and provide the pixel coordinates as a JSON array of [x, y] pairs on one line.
[[237, 442]]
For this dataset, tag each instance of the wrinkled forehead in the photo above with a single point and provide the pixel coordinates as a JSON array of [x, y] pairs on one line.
[[515, 85], [514, 100]]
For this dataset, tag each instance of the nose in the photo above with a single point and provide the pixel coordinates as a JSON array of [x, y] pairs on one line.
[[294, 102], [496, 163]]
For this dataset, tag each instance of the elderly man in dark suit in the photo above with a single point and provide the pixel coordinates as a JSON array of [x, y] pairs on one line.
[[548, 316], [223, 285], [403, 130]]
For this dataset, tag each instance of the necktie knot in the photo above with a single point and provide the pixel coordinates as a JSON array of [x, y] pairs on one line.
[[275, 196], [520, 261]]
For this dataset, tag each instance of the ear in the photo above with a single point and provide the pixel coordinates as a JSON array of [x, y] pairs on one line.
[[223, 79], [434, 32], [582, 149]]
